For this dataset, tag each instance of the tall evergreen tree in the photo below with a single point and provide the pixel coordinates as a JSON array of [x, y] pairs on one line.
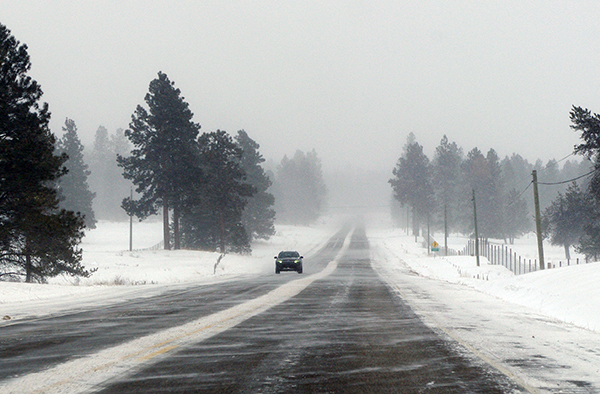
[[589, 125], [37, 240], [516, 216], [447, 180], [75, 194], [549, 173], [412, 183], [493, 199], [567, 217], [164, 154], [258, 216], [99, 180], [212, 216], [516, 174], [475, 172]]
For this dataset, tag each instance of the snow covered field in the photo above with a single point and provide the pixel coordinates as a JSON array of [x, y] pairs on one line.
[[570, 294], [124, 275]]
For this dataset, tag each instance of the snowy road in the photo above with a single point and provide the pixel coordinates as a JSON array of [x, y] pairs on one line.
[[541, 354], [346, 333], [66, 352], [338, 328]]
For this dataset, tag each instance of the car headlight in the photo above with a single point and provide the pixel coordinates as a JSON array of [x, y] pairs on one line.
[[297, 261], [279, 261]]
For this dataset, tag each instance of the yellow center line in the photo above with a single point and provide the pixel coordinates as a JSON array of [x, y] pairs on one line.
[[157, 353]]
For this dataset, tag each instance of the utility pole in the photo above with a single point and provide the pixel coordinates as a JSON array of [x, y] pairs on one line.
[[538, 219], [476, 233]]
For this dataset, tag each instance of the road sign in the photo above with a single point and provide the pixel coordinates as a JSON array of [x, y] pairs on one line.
[[435, 247]]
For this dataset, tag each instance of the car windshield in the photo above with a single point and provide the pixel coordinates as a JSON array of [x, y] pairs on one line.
[[288, 254]]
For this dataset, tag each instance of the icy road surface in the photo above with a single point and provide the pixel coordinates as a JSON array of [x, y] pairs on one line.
[[357, 321]]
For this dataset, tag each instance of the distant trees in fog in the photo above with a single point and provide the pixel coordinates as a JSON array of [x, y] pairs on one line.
[[106, 178], [299, 189], [412, 182], [73, 189], [441, 190]]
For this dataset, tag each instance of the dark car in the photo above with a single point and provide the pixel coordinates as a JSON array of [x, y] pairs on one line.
[[288, 260]]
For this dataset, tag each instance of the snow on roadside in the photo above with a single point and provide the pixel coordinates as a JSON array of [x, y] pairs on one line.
[[121, 274], [570, 294]]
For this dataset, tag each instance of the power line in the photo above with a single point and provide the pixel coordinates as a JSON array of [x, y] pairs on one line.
[[520, 194], [566, 157], [545, 168], [569, 181]]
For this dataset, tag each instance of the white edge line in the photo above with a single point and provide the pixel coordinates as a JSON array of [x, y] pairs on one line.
[[432, 322]]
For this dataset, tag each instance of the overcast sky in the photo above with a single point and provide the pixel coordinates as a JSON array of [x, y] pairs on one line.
[[350, 79]]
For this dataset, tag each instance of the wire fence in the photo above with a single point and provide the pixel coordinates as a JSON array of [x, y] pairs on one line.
[[504, 255], [158, 246]]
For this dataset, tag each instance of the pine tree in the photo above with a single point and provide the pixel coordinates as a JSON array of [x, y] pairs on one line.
[[566, 218], [516, 174], [164, 155], [119, 186], [212, 215], [589, 125], [549, 174], [447, 179], [474, 172], [412, 183], [99, 181], [37, 239], [258, 216], [516, 216], [493, 199], [74, 191]]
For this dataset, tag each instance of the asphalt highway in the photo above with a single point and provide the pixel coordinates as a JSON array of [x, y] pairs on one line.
[[346, 332]]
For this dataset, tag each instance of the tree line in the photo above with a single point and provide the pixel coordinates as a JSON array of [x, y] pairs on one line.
[[439, 193], [210, 188]]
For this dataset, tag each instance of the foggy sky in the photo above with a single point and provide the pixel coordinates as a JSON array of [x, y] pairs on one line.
[[350, 79]]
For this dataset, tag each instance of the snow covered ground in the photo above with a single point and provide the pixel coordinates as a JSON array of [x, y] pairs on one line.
[[570, 294], [511, 322], [125, 275]]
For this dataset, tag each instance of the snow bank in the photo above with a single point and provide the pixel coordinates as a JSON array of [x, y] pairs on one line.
[[570, 294]]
